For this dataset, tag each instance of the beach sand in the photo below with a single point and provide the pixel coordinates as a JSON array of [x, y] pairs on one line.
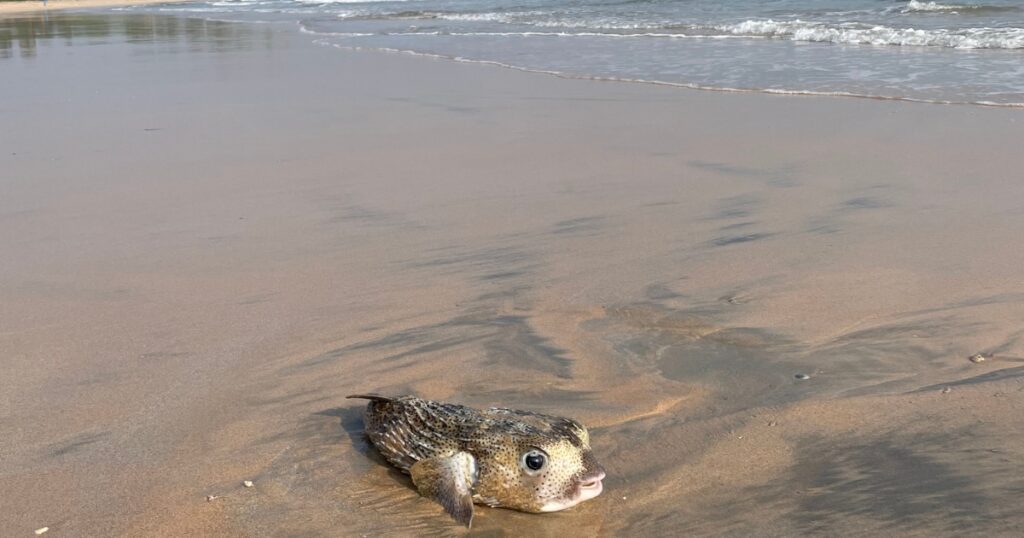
[[17, 7], [210, 233]]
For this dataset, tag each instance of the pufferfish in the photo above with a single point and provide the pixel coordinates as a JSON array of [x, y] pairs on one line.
[[458, 455]]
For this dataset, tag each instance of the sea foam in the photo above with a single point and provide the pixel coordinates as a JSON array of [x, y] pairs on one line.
[[965, 38]]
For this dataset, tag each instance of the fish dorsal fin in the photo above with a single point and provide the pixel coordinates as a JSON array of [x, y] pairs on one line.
[[370, 396], [449, 481]]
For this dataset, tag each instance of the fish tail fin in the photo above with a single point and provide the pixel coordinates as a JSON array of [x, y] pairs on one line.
[[372, 397]]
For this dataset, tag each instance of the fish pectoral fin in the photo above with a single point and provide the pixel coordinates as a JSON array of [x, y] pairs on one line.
[[449, 481]]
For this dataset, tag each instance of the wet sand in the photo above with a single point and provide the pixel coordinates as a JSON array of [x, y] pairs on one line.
[[210, 233]]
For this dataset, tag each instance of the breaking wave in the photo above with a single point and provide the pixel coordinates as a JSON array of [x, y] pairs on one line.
[[857, 33], [916, 6]]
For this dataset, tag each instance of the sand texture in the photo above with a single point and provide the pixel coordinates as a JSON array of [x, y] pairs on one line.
[[210, 233]]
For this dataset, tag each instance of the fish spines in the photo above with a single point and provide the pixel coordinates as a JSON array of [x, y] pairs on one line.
[[407, 429], [383, 430], [426, 436], [369, 396]]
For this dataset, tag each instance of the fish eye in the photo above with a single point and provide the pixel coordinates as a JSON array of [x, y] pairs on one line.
[[534, 460]]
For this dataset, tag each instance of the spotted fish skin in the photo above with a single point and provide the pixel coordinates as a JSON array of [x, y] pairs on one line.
[[458, 455]]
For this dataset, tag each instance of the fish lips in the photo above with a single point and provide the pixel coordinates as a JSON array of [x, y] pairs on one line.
[[588, 487], [591, 485]]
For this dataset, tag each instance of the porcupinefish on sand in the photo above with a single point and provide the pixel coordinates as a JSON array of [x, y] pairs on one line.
[[458, 455]]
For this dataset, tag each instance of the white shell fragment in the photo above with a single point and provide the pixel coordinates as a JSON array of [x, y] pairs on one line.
[[42, 530], [977, 357], [802, 377], [247, 483], [210, 498]]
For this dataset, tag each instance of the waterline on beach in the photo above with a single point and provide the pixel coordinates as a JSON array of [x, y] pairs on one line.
[[918, 51]]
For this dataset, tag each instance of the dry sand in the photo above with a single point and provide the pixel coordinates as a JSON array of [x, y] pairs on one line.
[[19, 7], [211, 233]]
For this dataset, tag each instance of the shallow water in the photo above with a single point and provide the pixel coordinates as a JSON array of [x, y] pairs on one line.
[[939, 51]]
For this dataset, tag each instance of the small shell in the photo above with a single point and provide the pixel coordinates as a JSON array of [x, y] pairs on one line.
[[247, 483], [977, 357], [802, 377], [947, 390], [42, 530], [210, 498]]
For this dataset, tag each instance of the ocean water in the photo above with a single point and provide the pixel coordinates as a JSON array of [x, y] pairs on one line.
[[896, 49]]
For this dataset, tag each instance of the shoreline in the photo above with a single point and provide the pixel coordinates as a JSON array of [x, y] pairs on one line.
[[685, 85], [18, 8], [29, 7]]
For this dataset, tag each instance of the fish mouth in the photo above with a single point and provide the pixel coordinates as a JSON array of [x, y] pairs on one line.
[[594, 480], [591, 486]]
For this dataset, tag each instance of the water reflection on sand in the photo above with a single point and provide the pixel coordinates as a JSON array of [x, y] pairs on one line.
[[23, 35]]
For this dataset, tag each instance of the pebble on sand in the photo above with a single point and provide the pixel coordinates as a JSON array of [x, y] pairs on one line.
[[42, 530], [977, 357], [247, 483], [210, 498], [802, 377]]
